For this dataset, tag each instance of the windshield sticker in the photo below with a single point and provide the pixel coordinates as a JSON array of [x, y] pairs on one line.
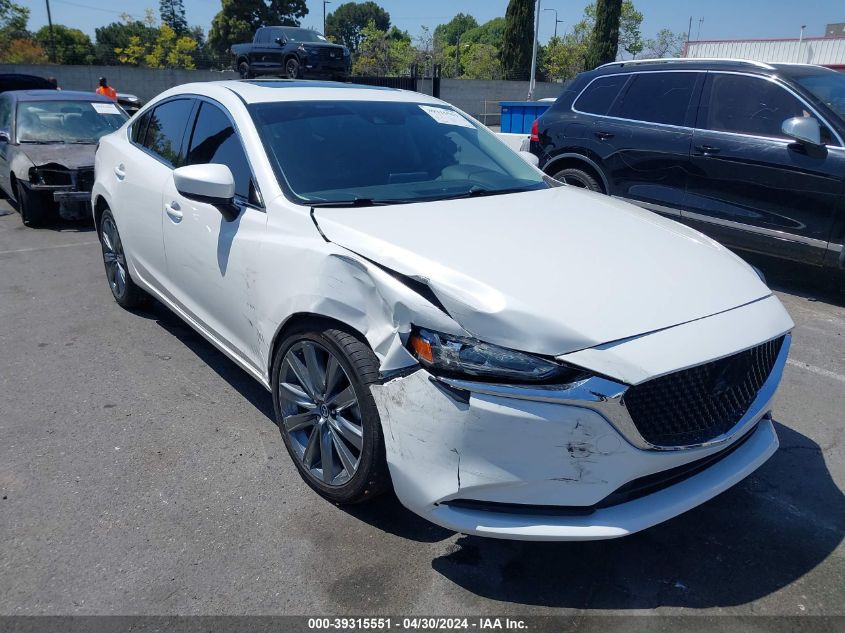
[[105, 108], [445, 116]]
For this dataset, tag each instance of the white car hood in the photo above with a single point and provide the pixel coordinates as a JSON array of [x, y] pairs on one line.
[[551, 271]]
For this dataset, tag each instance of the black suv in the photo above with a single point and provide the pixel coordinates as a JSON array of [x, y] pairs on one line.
[[749, 153], [291, 52]]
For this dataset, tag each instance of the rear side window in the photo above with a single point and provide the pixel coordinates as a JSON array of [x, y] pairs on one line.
[[747, 105], [657, 98], [166, 129], [214, 141], [5, 114], [139, 128], [600, 94]]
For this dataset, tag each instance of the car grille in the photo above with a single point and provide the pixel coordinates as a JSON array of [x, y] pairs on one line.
[[85, 180], [330, 55], [698, 404]]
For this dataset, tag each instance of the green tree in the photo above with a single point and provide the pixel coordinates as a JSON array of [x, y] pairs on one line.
[[172, 13], [383, 55], [605, 39], [481, 61], [13, 21], [492, 33], [72, 46], [630, 21], [171, 50], [665, 44], [238, 20], [347, 23], [122, 35], [518, 39], [452, 31]]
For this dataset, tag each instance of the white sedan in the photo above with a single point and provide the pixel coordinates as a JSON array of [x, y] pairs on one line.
[[515, 357]]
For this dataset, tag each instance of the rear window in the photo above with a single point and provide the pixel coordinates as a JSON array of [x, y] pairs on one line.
[[599, 96], [661, 97]]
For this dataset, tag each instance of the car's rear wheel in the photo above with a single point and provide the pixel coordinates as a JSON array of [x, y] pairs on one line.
[[244, 71], [31, 206], [292, 68], [123, 288], [578, 178], [329, 422]]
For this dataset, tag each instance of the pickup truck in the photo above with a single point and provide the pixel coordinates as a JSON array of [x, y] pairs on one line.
[[291, 52]]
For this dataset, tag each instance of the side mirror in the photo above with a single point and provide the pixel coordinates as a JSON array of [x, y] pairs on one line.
[[804, 129], [211, 183], [529, 158], [280, 41], [4, 137]]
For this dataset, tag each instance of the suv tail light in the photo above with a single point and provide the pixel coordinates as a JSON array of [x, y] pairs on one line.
[[535, 130]]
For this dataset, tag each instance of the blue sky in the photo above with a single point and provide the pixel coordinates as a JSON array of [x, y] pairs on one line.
[[723, 19]]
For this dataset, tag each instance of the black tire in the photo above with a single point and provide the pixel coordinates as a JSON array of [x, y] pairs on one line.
[[579, 178], [124, 290], [244, 72], [293, 70], [371, 478], [31, 206]]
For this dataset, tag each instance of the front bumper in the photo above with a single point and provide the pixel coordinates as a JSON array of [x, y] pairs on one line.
[[541, 464]]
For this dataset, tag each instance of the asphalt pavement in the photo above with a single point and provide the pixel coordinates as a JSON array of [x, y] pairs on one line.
[[141, 472]]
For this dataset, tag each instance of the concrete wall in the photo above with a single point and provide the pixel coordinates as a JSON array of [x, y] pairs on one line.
[[469, 95], [143, 82]]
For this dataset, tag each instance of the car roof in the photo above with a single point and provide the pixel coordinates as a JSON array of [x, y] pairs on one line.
[[693, 63], [269, 90], [57, 95]]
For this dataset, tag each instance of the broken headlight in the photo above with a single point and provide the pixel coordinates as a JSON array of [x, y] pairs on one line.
[[451, 354]]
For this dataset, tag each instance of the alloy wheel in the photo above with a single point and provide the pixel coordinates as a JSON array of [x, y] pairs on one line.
[[113, 257], [320, 413]]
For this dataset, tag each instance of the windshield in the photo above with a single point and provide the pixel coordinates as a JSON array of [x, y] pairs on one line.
[[828, 88], [304, 35], [368, 152], [66, 121]]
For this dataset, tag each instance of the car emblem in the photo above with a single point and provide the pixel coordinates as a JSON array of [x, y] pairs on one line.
[[332, 54]]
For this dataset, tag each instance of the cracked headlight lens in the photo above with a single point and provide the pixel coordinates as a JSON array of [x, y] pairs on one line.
[[458, 355]]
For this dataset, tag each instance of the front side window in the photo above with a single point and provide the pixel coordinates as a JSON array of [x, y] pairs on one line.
[[600, 94], [214, 141], [661, 97], [747, 105], [68, 121], [829, 88], [166, 128], [372, 152]]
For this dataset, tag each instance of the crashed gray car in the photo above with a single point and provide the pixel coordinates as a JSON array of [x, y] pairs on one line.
[[47, 144]]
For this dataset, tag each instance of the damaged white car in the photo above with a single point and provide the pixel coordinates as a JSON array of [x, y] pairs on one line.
[[516, 358]]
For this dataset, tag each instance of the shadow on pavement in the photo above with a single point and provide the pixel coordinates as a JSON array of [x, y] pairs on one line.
[[751, 541]]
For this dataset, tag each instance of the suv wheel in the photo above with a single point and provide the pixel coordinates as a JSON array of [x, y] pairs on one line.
[[292, 68], [578, 178], [243, 71], [329, 422]]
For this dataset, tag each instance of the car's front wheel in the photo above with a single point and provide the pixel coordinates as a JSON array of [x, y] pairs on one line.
[[31, 206], [123, 288], [329, 422], [292, 68]]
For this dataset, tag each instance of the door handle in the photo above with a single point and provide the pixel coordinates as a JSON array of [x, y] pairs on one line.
[[173, 210], [604, 135], [120, 172], [706, 150]]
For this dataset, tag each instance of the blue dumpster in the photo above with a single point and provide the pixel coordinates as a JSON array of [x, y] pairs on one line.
[[517, 116]]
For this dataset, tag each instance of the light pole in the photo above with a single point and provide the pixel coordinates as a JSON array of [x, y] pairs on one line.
[[556, 20], [52, 41], [325, 2], [801, 40], [531, 80]]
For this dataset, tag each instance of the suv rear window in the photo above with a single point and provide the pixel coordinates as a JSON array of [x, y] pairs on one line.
[[661, 97], [600, 94]]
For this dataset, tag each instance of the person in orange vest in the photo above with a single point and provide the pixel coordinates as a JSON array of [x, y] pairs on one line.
[[106, 90]]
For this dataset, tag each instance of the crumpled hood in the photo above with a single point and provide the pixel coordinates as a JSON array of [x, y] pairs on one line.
[[70, 156], [551, 271]]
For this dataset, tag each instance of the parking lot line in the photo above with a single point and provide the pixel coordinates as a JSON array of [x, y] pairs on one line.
[[816, 370], [47, 248]]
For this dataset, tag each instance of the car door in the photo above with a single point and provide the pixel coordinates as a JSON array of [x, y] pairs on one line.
[[5, 145], [750, 185], [647, 136], [155, 149], [211, 262]]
